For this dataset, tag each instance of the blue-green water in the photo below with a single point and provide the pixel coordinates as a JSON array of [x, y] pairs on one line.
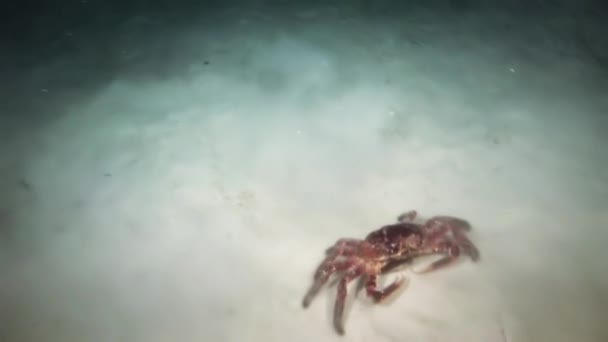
[[177, 175]]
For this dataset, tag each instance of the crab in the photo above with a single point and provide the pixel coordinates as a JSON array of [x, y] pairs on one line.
[[385, 249]]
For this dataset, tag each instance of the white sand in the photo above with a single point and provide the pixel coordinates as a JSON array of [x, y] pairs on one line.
[[194, 206]]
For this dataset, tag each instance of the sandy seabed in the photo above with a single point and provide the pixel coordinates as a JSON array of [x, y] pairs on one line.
[[195, 205]]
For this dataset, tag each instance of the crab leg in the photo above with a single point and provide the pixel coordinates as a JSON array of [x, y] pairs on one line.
[[408, 216], [349, 275], [393, 264], [451, 253], [380, 295], [345, 247], [325, 270], [458, 227], [463, 241], [454, 223]]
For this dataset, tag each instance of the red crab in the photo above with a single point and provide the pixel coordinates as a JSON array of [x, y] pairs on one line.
[[387, 247]]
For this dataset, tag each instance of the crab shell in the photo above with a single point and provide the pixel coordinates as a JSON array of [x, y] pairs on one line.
[[386, 248]]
